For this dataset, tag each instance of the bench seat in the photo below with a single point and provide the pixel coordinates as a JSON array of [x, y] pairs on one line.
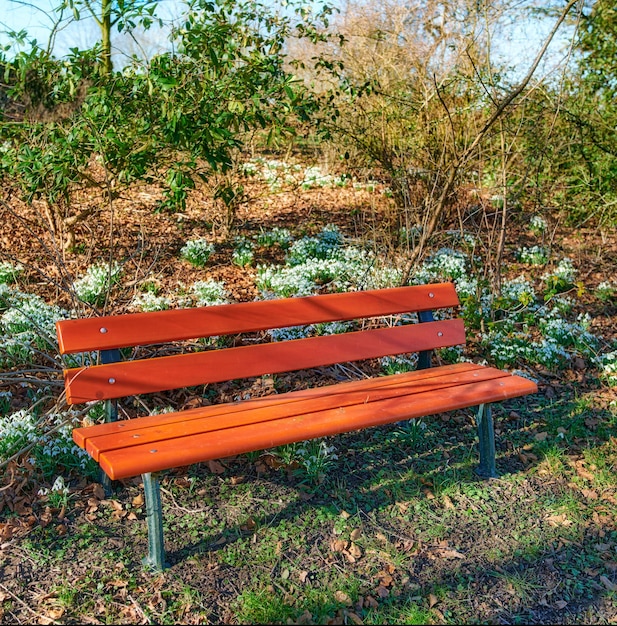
[[150, 444]]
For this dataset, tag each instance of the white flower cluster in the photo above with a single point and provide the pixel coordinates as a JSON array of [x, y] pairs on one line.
[[536, 255], [538, 225], [558, 343], [445, 264], [399, 363], [316, 456], [314, 177], [5, 401], [27, 325], [243, 252], [9, 272], [278, 173], [564, 271], [518, 291], [197, 251], [59, 486], [98, 279], [17, 431], [60, 445], [325, 245], [607, 364], [347, 270], [276, 235], [210, 293], [463, 237], [606, 291], [148, 301], [289, 333], [311, 330], [410, 235]]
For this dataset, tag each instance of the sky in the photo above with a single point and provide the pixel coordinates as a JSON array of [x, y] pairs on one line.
[[37, 18], [517, 47]]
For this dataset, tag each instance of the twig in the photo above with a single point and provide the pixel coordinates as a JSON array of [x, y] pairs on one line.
[[43, 619]]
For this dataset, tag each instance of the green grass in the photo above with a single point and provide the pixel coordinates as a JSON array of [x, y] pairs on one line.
[[399, 531]]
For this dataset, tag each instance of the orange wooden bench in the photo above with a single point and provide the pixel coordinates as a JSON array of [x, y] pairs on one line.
[[147, 445]]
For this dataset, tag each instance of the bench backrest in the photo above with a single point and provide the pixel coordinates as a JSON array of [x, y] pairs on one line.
[[124, 378]]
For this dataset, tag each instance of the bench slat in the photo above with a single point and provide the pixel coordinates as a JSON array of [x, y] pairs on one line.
[[229, 442], [129, 378], [205, 419], [157, 327]]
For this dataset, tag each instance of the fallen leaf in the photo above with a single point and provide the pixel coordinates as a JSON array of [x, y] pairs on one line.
[[541, 436], [138, 500], [355, 618], [558, 520], [450, 553], [590, 494], [355, 534], [98, 491], [343, 598], [370, 602], [561, 604], [338, 545], [354, 550], [602, 547], [382, 592], [447, 502], [55, 613], [285, 574], [216, 467], [432, 600], [611, 586]]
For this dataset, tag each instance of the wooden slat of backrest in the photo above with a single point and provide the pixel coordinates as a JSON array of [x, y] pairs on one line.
[[137, 329], [128, 378]]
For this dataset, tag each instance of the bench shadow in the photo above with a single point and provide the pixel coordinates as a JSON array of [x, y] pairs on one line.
[[501, 574]]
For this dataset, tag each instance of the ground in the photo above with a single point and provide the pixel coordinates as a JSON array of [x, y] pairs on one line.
[[397, 530]]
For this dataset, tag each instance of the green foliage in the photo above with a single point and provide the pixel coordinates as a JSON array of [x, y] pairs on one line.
[[176, 120]]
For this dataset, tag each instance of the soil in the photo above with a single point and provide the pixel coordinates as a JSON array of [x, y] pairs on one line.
[[147, 243]]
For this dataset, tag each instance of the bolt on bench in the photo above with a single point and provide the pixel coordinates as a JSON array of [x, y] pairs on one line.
[[150, 444]]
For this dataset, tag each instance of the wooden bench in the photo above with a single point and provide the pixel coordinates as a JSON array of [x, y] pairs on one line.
[[150, 444]]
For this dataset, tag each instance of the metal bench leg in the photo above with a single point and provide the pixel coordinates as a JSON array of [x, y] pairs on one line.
[[486, 440], [154, 515], [111, 415]]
